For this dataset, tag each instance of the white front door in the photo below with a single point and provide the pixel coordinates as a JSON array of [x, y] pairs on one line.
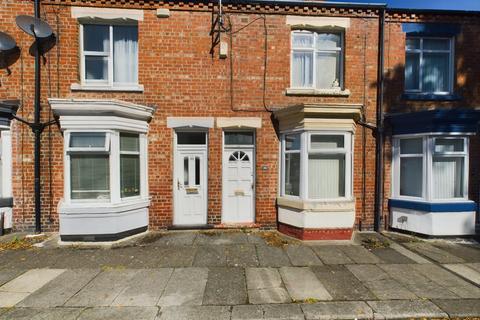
[[238, 185], [190, 185]]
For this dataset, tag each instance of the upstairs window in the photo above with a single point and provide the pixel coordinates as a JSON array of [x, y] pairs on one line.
[[109, 54], [429, 65], [317, 60]]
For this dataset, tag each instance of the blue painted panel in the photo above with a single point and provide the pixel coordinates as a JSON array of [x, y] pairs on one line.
[[433, 207], [452, 120], [431, 29]]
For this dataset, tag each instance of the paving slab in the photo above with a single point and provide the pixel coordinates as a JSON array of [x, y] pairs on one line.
[[195, 313], [31, 280], [467, 252], [465, 271], [210, 256], [255, 238], [10, 299], [448, 280], [247, 312], [103, 289], [474, 266], [302, 256], [268, 295], [41, 314], [360, 255], [460, 308], [56, 292], [365, 272], [417, 283], [9, 274], [302, 284], [175, 256], [119, 313], [402, 309], [262, 278], [176, 239], [434, 253], [269, 256], [283, 312], [185, 287], [341, 283], [389, 255], [220, 238], [241, 255], [337, 310], [144, 288], [225, 286], [332, 254], [409, 254]]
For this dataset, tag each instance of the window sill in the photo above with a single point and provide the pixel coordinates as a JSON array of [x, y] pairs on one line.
[[318, 92], [430, 97], [103, 207], [87, 87], [339, 205]]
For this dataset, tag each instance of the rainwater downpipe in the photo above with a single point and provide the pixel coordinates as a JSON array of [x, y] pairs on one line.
[[378, 206]]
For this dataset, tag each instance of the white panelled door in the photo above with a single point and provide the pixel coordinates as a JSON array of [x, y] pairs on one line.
[[190, 183], [238, 185]]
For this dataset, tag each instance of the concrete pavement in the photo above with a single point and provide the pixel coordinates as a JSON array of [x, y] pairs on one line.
[[237, 275]]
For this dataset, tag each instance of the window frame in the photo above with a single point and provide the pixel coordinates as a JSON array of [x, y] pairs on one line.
[[305, 150], [421, 51], [429, 153], [109, 82], [136, 153], [316, 50]]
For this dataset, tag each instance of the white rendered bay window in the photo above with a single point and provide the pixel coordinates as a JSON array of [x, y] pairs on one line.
[[431, 168], [317, 165], [109, 54], [316, 60]]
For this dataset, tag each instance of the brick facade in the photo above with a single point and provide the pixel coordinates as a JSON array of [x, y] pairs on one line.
[[182, 79]]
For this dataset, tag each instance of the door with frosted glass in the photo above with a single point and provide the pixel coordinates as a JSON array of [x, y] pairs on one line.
[[190, 180]]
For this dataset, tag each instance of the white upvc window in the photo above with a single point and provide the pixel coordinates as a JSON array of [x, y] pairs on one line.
[[105, 166], [317, 165], [109, 54], [430, 168], [316, 60], [429, 65]]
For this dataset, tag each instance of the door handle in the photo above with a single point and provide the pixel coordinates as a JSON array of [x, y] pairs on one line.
[[179, 185]]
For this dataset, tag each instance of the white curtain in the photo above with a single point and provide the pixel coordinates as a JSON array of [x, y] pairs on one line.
[[328, 70], [447, 178], [125, 54], [411, 176], [302, 73], [412, 71], [436, 72], [326, 176]]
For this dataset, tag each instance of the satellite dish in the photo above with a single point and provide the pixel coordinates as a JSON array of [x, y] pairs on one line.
[[33, 26], [9, 52], [44, 45]]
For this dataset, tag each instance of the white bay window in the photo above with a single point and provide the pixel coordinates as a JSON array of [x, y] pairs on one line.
[[317, 165], [431, 168]]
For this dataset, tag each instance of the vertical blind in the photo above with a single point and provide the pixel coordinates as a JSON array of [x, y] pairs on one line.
[[125, 54], [326, 176]]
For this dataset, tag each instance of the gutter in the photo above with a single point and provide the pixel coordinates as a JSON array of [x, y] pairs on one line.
[[379, 133], [303, 3]]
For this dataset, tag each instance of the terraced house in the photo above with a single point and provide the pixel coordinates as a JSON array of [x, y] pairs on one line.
[[315, 118]]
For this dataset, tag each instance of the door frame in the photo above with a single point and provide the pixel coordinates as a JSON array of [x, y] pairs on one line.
[[254, 171], [187, 147]]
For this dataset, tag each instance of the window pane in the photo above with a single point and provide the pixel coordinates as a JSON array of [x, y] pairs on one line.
[[412, 71], [328, 70], [87, 139], [326, 176], [411, 173], [129, 142], [292, 142], [90, 177], [302, 40], [447, 177], [186, 169], [292, 174], [436, 44], [436, 72], [129, 175], [327, 41], [326, 141], [411, 146], [239, 138], [125, 54], [197, 171], [448, 145], [302, 69], [96, 38], [96, 68], [412, 43], [191, 137]]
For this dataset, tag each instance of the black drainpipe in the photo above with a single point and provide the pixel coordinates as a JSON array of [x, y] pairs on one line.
[[378, 209]]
